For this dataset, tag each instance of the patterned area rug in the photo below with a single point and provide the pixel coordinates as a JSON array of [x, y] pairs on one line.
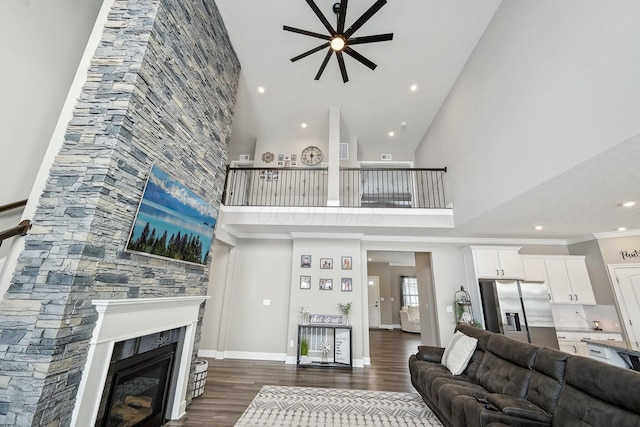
[[331, 407]]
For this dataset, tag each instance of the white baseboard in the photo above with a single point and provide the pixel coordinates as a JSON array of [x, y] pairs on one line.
[[211, 354], [273, 357], [249, 355], [389, 327]]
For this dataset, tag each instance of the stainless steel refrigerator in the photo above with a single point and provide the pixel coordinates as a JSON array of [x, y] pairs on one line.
[[519, 310]]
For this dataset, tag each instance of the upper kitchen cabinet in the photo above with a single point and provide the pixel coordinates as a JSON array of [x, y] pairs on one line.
[[569, 280], [497, 262], [534, 268]]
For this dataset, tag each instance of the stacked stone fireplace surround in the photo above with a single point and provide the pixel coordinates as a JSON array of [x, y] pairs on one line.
[[161, 89]]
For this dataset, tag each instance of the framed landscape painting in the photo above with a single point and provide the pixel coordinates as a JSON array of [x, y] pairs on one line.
[[172, 221]]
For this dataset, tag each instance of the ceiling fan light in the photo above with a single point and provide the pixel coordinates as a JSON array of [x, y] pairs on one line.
[[337, 43]]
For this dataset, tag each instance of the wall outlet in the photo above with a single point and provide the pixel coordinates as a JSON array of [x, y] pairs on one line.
[[291, 343], [449, 309]]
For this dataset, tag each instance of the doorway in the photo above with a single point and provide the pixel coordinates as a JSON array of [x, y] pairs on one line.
[[373, 292], [626, 286]]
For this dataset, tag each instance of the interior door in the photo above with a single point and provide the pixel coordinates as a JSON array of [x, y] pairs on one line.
[[373, 290], [626, 283]]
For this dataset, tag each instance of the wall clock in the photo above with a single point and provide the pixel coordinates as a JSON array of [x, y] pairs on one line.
[[268, 157], [311, 156]]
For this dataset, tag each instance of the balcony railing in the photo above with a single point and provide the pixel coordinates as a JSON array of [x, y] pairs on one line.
[[371, 188]]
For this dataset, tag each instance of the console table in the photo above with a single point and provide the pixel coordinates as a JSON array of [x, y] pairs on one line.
[[338, 338]]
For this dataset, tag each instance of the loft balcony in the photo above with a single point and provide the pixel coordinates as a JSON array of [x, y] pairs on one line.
[[357, 188], [334, 200]]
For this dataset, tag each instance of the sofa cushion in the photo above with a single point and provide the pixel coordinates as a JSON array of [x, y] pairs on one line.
[[458, 352], [516, 407], [502, 376], [598, 394], [547, 379], [430, 354]]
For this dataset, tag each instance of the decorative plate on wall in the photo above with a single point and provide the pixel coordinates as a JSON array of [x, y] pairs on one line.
[[268, 157]]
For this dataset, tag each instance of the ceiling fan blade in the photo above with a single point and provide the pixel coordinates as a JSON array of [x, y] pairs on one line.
[[321, 16], [365, 17], [305, 32], [343, 68], [342, 14], [324, 64], [355, 55], [370, 39], [309, 52]]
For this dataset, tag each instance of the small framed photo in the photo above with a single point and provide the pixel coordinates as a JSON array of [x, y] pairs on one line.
[[294, 157], [305, 261], [294, 163], [287, 157], [305, 282], [326, 263], [346, 263], [346, 284], [280, 163], [326, 284], [280, 157]]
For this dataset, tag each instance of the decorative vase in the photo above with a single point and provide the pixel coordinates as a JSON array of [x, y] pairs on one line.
[[345, 319]]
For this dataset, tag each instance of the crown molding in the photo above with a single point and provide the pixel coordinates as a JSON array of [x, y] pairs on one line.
[[616, 234]]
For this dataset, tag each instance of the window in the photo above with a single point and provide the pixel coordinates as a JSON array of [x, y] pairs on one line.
[[409, 291]]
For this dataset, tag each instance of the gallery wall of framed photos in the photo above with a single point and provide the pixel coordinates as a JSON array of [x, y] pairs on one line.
[[327, 279]]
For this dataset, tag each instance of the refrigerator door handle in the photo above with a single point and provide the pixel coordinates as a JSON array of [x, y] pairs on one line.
[[570, 297]]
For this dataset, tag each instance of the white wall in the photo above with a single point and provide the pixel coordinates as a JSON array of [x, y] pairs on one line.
[[326, 301], [214, 322], [49, 39], [550, 85], [261, 270]]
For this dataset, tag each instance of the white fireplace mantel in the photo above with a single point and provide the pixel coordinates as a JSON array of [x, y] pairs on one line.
[[123, 319]]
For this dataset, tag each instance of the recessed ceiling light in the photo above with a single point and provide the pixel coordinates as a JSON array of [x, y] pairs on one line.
[[622, 228], [403, 125], [413, 88], [260, 89], [628, 204], [304, 125], [391, 133], [538, 227]]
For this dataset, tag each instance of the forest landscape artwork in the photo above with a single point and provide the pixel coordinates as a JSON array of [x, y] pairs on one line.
[[172, 221]]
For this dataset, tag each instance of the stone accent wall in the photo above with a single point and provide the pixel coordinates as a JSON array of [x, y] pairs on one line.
[[161, 89]]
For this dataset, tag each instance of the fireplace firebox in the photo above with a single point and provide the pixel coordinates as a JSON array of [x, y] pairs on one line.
[[139, 381]]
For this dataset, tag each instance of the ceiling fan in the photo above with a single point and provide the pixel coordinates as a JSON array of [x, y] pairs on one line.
[[339, 40]]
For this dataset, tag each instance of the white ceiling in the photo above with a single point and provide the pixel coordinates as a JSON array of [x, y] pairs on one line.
[[433, 40]]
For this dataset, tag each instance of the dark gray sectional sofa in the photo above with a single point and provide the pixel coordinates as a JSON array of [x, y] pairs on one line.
[[512, 383]]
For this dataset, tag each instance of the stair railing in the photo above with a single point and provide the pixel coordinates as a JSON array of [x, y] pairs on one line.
[[21, 229]]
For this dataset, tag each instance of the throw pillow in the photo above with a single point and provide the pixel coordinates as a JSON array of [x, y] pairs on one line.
[[458, 352]]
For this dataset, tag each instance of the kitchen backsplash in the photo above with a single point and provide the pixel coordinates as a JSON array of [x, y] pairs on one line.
[[574, 316]]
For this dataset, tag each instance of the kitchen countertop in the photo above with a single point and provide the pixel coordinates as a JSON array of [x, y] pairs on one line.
[[629, 356], [616, 345], [586, 330]]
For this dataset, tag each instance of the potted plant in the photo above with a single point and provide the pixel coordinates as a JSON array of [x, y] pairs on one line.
[[304, 347], [345, 309]]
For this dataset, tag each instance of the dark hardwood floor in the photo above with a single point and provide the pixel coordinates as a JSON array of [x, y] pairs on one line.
[[232, 384]]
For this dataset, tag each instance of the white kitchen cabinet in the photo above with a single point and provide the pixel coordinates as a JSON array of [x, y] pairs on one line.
[[572, 342], [534, 268], [580, 282], [569, 280], [497, 262]]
